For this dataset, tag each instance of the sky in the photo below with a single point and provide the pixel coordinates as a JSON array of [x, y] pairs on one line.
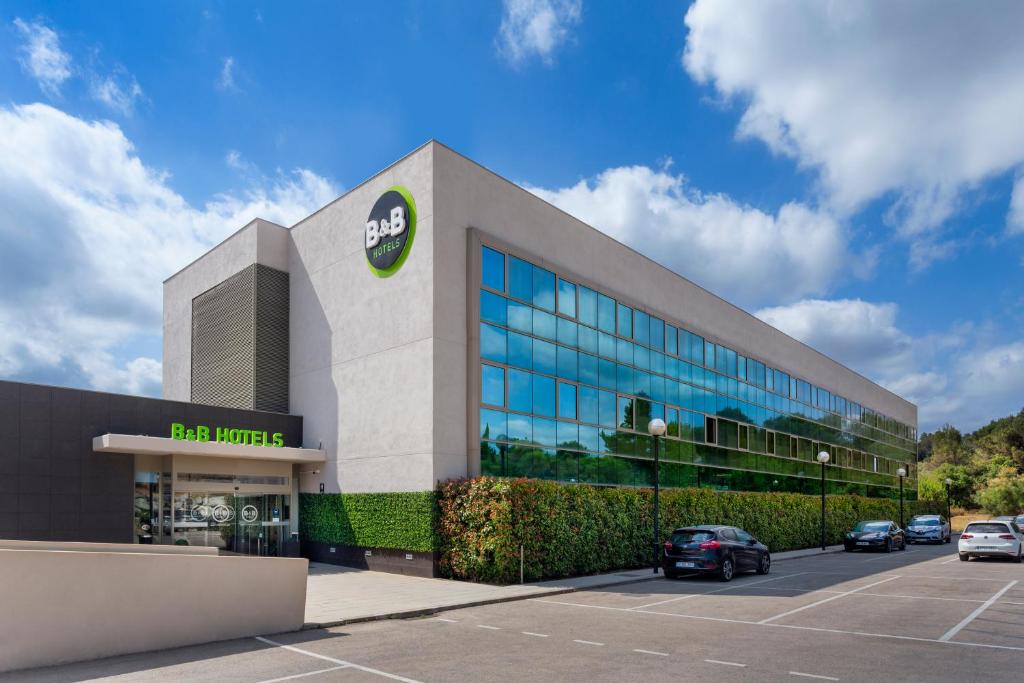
[[850, 172]]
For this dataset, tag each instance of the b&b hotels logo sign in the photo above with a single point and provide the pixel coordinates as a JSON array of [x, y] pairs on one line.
[[390, 229]]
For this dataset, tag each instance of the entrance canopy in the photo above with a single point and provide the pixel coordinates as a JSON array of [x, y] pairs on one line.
[[154, 445]]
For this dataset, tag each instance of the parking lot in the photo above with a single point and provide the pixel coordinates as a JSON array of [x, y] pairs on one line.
[[915, 615]]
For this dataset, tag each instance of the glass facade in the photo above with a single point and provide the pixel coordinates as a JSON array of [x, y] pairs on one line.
[[570, 377]]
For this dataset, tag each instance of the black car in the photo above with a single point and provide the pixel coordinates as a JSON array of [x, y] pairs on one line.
[[881, 535], [723, 550]]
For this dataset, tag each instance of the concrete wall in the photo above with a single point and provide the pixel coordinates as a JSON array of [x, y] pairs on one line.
[[469, 196], [258, 242], [108, 547], [61, 606], [361, 346]]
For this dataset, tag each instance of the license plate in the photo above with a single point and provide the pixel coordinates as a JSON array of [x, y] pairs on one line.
[[986, 547], [685, 565], [862, 542]]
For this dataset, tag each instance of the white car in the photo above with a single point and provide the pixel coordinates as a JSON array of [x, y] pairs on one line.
[[994, 538]]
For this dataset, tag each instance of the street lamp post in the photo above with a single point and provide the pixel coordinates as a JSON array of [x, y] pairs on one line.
[[823, 458], [901, 472], [949, 513], [656, 428]]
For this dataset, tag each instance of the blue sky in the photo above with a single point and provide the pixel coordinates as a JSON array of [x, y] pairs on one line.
[[839, 169]]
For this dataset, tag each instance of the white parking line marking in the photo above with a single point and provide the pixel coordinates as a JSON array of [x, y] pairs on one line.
[[652, 652], [308, 673], [735, 586], [824, 678], [874, 595], [535, 635], [450, 621], [973, 615], [951, 560], [489, 628], [588, 642], [719, 661], [824, 600], [341, 662]]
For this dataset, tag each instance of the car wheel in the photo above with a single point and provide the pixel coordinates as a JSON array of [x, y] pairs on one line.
[[888, 546], [949, 538], [903, 546], [964, 557], [765, 564], [1018, 558], [727, 570]]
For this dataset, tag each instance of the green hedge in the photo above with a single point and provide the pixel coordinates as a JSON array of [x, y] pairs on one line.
[[570, 530], [374, 520]]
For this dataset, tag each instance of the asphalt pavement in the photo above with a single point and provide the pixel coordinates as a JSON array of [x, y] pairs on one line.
[[919, 615]]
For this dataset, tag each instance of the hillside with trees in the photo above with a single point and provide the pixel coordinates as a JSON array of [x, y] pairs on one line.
[[986, 466]]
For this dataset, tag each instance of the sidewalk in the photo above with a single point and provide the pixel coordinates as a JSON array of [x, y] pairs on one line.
[[340, 595]]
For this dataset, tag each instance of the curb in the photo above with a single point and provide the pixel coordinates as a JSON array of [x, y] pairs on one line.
[[426, 611]]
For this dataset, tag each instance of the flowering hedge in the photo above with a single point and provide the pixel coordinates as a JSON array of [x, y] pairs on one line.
[[570, 530]]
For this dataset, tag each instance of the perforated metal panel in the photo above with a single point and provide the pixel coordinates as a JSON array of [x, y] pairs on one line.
[[240, 341]]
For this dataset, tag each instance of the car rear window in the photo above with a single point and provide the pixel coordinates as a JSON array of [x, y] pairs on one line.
[[683, 537], [925, 522], [986, 528]]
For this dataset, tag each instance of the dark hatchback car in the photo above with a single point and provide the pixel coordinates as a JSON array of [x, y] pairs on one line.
[[881, 535], [723, 550]]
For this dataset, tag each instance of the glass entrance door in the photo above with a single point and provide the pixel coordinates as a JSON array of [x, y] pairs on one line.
[[251, 524]]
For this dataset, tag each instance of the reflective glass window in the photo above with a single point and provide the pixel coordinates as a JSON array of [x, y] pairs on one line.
[[543, 288], [606, 313], [624, 379], [520, 317], [606, 409], [544, 432], [741, 367], [567, 400], [567, 332], [588, 405], [520, 390], [658, 362], [492, 308], [641, 357], [544, 324], [658, 333], [721, 358], [493, 269], [493, 424], [641, 383], [520, 350], [566, 298], [589, 438], [671, 340], [543, 396], [588, 306], [492, 343], [568, 437], [587, 338], [588, 369], [625, 412], [709, 354], [520, 428], [544, 357], [643, 328], [696, 349], [567, 364], [520, 279], [606, 373], [624, 351], [625, 321], [492, 385], [606, 345]]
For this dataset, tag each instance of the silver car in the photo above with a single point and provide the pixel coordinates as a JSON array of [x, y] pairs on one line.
[[928, 529], [994, 538]]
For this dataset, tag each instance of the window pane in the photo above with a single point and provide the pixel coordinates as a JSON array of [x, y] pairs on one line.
[[566, 298], [606, 373], [567, 332], [544, 358], [606, 345], [520, 428], [567, 400], [658, 334], [544, 324], [492, 343], [625, 321], [568, 437], [492, 385], [544, 432], [671, 340], [643, 328], [588, 408], [606, 409], [588, 306], [520, 279], [543, 288], [606, 313], [543, 396], [588, 369], [624, 379], [587, 338], [624, 351], [589, 438], [642, 357], [520, 317], [492, 308], [520, 350], [493, 424], [641, 383], [625, 412], [566, 363], [520, 391], [493, 269]]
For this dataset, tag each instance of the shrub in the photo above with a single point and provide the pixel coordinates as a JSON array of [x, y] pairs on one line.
[[402, 521], [569, 530]]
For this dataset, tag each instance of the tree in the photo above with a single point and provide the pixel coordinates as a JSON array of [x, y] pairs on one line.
[[1003, 495]]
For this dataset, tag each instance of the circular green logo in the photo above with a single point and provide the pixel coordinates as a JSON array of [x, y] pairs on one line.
[[390, 229]]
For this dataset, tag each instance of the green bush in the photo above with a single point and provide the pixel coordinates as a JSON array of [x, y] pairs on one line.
[[570, 530], [403, 521]]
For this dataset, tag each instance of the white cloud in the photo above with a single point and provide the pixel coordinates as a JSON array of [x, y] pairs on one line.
[[42, 56], [536, 28], [1015, 218], [913, 102], [709, 238], [119, 91], [960, 375], [89, 232], [226, 80]]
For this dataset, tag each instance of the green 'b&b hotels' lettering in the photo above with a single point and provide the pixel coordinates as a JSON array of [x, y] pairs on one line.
[[233, 435]]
